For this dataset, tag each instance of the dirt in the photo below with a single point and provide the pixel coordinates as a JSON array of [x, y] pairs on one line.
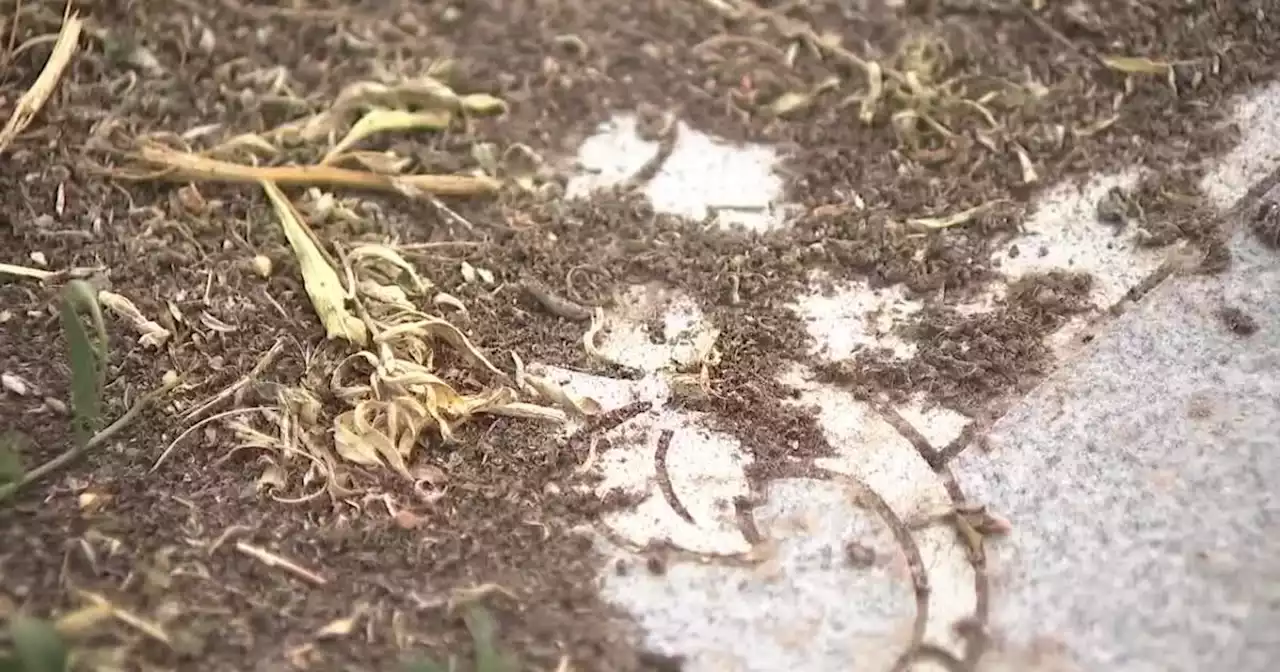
[[508, 510], [966, 360], [1237, 321], [1265, 224]]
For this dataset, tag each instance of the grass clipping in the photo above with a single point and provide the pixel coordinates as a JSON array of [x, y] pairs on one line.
[[33, 99], [359, 114], [390, 388]]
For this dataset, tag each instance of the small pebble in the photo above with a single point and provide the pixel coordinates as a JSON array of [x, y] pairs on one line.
[[262, 265]]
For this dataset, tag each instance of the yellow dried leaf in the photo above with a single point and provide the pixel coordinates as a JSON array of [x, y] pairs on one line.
[[248, 437], [341, 627], [1029, 174], [422, 92], [375, 432], [790, 103], [483, 104], [393, 258], [83, 621], [152, 334], [1136, 65], [962, 217], [519, 366], [556, 394], [445, 299], [875, 90], [412, 375], [388, 294], [381, 120], [197, 132], [463, 407], [385, 163], [357, 440], [318, 275], [250, 142], [527, 411], [442, 329]]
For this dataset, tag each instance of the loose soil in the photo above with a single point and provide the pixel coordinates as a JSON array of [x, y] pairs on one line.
[[506, 510]]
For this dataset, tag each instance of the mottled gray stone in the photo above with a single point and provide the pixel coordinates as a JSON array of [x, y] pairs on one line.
[[1142, 480]]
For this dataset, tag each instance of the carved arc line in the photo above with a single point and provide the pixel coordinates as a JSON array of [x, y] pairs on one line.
[[938, 463], [664, 476], [901, 534]]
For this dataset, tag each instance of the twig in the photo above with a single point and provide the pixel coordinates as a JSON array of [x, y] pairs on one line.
[[25, 271], [128, 618], [183, 167], [33, 100], [187, 432], [227, 534], [667, 138], [45, 276], [450, 213], [264, 362], [13, 31], [554, 304], [76, 452], [272, 560]]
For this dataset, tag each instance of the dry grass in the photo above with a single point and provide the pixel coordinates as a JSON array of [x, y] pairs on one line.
[[367, 296], [33, 100], [935, 113]]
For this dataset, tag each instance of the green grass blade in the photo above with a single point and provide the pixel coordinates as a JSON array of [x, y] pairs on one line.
[[88, 359], [37, 645], [484, 635], [11, 444]]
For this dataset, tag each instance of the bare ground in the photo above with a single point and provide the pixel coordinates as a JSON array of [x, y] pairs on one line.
[[500, 508]]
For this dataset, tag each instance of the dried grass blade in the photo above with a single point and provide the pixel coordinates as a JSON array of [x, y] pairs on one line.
[[1131, 65], [381, 120], [183, 166], [318, 274], [33, 100]]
